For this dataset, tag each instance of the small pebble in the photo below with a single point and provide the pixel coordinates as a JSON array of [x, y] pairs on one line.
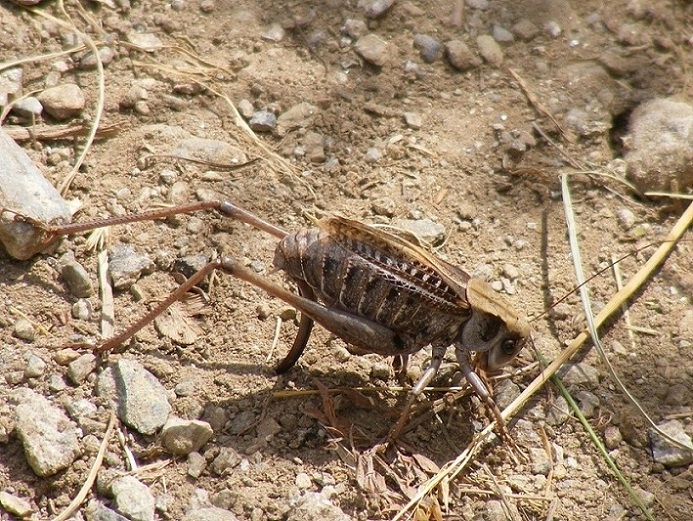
[[525, 30], [460, 56], [79, 369], [502, 35], [275, 33], [429, 48], [381, 370], [63, 101], [29, 107], [77, 278], [553, 29], [82, 310], [25, 330], [354, 28], [35, 366], [414, 120], [372, 49], [612, 437], [263, 121], [303, 481], [245, 108], [372, 155], [489, 50], [15, 505], [196, 464], [376, 8]]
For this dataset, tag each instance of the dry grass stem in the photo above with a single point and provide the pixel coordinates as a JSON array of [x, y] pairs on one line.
[[91, 477]]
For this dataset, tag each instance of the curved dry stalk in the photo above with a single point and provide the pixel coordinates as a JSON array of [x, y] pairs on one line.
[[91, 477], [67, 181], [41, 57], [587, 307], [453, 468]]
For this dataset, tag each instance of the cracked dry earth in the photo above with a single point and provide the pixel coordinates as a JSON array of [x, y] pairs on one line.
[[449, 119]]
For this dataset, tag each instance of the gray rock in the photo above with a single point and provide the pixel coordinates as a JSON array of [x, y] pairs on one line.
[[245, 108], [425, 229], [56, 383], [142, 400], [126, 265], [588, 403], [314, 506], [660, 146], [226, 461], [15, 505], [314, 147], [525, 30], [133, 499], [489, 50], [667, 454], [29, 107], [300, 115], [612, 437], [303, 481], [82, 310], [581, 374], [196, 464], [372, 49], [481, 5], [354, 28], [97, 511], [372, 155], [502, 35], [35, 366], [210, 514], [558, 411], [24, 190], [181, 436], [275, 33], [460, 56], [414, 120], [148, 42], [79, 369], [81, 410], [505, 392], [211, 150], [541, 462], [63, 101], [49, 438], [77, 278], [429, 48], [65, 356], [88, 61], [25, 330], [263, 121], [268, 428], [376, 8], [11, 81]]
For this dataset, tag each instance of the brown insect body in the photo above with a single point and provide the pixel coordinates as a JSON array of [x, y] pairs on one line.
[[377, 291], [387, 281]]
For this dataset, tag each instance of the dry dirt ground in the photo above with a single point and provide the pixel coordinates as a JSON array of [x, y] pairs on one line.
[[483, 161]]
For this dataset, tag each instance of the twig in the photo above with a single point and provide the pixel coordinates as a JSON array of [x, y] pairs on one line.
[[91, 477], [55, 132]]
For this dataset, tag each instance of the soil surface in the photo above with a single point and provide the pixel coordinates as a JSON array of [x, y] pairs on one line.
[[415, 138]]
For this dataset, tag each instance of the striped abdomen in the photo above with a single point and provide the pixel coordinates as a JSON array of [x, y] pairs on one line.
[[351, 274]]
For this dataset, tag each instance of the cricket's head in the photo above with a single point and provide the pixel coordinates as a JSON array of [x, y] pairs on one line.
[[495, 330]]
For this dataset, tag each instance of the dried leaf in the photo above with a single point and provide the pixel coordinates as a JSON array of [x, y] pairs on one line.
[[426, 464], [177, 324]]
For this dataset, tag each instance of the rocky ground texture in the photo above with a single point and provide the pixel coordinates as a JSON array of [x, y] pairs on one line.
[[451, 120]]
